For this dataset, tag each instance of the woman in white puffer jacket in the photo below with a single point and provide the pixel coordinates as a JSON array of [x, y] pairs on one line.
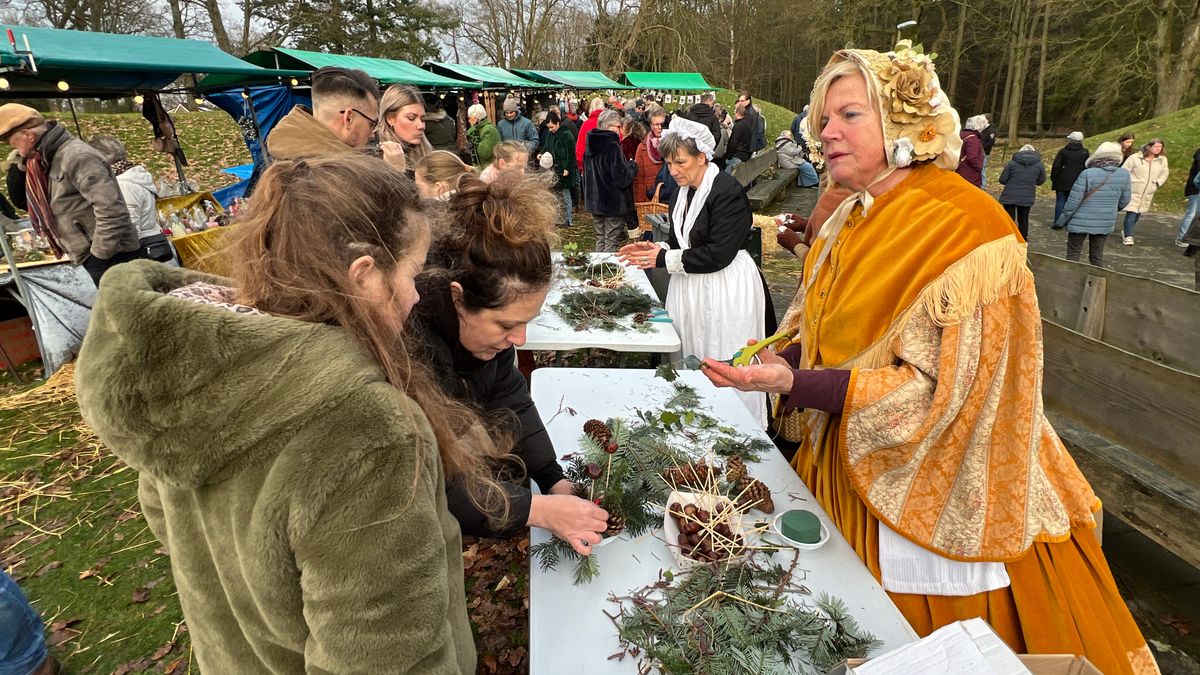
[[1147, 171]]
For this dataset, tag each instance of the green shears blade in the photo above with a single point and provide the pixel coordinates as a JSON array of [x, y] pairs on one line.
[[745, 355]]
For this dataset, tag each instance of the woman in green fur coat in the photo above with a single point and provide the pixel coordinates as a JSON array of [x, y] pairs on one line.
[[287, 450]]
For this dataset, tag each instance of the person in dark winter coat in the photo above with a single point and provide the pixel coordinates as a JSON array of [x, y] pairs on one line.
[[970, 163], [737, 150], [1020, 179], [1191, 190], [704, 113], [607, 181], [1068, 164], [486, 279], [758, 125], [988, 138], [1099, 193], [560, 143], [441, 131]]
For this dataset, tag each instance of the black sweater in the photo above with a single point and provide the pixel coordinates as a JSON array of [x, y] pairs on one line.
[[493, 386], [740, 139]]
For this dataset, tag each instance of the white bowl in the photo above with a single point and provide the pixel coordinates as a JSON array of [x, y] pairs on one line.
[[777, 530], [708, 503]]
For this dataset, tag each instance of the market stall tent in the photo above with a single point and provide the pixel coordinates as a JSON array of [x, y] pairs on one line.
[[575, 79], [104, 64], [489, 77], [667, 81], [387, 71]]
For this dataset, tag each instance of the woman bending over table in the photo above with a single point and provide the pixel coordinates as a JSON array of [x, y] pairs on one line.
[[487, 278], [914, 383]]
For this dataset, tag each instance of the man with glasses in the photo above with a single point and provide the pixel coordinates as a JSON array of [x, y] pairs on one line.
[[343, 118], [758, 125]]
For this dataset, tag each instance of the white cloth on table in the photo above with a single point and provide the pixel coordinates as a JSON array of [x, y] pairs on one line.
[[905, 567], [716, 313]]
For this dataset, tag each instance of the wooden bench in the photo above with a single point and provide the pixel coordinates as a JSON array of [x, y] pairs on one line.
[[1122, 388], [764, 190]]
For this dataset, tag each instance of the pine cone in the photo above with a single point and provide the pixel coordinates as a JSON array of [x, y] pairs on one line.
[[757, 496], [696, 475], [598, 430], [735, 470], [616, 525]]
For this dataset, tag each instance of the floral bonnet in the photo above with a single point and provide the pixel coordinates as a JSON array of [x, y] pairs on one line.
[[919, 124]]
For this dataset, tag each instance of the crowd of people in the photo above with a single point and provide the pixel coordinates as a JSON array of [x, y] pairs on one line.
[[353, 406]]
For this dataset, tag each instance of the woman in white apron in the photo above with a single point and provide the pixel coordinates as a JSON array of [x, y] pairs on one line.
[[716, 295]]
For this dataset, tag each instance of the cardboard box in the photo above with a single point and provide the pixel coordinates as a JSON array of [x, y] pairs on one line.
[[1058, 664]]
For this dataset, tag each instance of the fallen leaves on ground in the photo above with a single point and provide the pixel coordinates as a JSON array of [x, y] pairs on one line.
[[497, 580], [63, 631]]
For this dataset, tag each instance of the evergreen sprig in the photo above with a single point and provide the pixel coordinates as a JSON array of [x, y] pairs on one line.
[[602, 308], [737, 619]]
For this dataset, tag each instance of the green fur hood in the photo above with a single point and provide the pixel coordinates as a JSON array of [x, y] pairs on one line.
[[161, 378]]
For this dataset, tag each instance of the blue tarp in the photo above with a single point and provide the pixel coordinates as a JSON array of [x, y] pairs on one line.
[[227, 194], [271, 104], [241, 171]]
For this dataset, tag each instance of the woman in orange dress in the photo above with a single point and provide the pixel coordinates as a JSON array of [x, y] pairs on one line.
[[913, 384]]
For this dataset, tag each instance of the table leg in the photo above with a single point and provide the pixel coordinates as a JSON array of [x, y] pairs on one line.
[[621, 359]]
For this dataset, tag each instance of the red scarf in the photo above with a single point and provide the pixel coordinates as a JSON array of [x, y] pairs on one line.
[[652, 148], [37, 193]]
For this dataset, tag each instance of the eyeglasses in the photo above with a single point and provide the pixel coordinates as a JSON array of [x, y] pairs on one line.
[[374, 122], [656, 125]]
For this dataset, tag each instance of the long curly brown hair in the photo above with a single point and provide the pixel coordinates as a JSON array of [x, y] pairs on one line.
[[306, 223]]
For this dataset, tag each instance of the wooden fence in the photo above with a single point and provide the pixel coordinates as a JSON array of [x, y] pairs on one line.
[[1122, 380]]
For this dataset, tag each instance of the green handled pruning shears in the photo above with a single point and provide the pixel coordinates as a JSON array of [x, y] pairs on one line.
[[745, 356]]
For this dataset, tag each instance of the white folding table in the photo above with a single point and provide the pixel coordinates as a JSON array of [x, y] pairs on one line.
[[548, 332], [567, 631]]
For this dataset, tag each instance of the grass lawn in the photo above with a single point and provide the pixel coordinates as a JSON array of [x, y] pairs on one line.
[[1180, 132]]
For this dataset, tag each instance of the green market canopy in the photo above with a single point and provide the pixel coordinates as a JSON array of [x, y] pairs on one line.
[[387, 71], [104, 64], [667, 81], [487, 76], [575, 79]]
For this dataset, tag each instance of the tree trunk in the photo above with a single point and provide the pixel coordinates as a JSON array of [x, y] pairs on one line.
[[1012, 58], [247, 17], [1024, 51], [218, 26], [1180, 70], [1041, 87], [958, 47], [732, 54], [372, 30], [177, 18]]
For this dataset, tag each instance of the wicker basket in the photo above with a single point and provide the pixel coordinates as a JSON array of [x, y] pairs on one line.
[[651, 207]]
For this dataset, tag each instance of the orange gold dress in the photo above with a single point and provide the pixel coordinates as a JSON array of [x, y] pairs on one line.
[[929, 301]]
